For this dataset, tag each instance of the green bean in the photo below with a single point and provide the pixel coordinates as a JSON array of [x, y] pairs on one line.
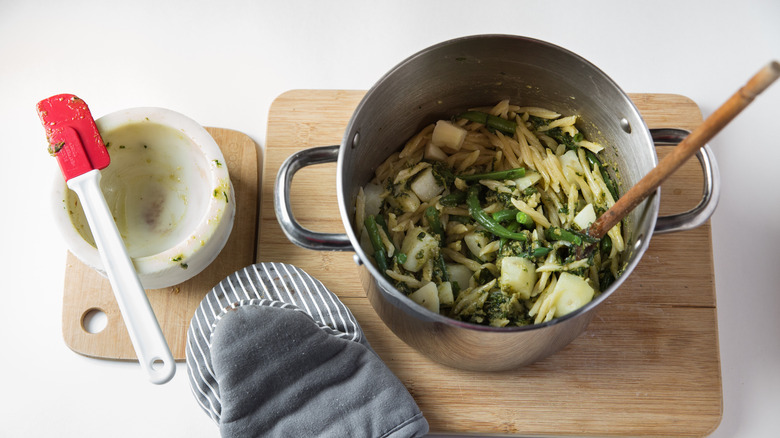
[[540, 252], [508, 127], [445, 275], [557, 233], [498, 175], [606, 245], [605, 279], [376, 241], [479, 215], [512, 227], [432, 214], [505, 215], [523, 219], [461, 219], [455, 288], [517, 216], [453, 199], [474, 116], [594, 161], [611, 186], [380, 220]]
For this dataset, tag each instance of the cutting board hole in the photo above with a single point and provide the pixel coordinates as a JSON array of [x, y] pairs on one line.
[[94, 320]]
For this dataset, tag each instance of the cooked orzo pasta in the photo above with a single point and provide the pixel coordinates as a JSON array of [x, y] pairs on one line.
[[482, 217]]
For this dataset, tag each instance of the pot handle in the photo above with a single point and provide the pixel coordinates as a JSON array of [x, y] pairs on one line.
[[701, 213], [297, 234]]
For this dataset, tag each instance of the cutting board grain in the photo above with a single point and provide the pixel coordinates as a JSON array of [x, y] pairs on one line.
[[87, 291], [648, 364]]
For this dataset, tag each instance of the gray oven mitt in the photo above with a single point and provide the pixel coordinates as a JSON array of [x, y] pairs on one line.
[[272, 352]]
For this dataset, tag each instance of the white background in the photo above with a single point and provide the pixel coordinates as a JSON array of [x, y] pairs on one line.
[[223, 62]]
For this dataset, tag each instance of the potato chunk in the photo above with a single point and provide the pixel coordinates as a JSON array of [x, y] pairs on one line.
[[427, 296], [432, 152], [446, 297], [405, 200], [585, 217], [373, 198], [573, 292], [446, 134], [530, 178], [425, 185], [418, 246], [571, 166], [518, 276], [459, 274]]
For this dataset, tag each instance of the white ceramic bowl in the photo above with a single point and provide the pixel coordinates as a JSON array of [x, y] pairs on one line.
[[168, 189]]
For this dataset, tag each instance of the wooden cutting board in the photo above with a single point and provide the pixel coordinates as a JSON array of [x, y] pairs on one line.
[[648, 364], [87, 292]]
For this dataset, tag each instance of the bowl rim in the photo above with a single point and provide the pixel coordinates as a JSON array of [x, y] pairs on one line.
[[215, 213]]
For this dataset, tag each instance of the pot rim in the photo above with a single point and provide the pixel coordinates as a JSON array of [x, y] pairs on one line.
[[638, 248]]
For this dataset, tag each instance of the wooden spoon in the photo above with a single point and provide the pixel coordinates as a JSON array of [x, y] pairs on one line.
[[685, 150]]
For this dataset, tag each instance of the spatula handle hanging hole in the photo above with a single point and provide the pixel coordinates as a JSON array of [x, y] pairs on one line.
[[157, 364]]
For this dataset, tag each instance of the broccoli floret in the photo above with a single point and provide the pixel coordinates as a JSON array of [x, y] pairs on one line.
[[501, 310], [403, 287], [504, 198], [442, 174], [483, 276], [537, 122], [512, 248], [496, 305], [564, 138]]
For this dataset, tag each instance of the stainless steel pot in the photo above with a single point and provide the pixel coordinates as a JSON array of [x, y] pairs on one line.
[[476, 71]]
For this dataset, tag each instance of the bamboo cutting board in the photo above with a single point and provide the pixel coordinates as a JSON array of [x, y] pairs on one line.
[[86, 291], [648, 364]]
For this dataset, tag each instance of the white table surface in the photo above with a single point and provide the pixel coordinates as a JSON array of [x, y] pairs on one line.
[[223, 62]]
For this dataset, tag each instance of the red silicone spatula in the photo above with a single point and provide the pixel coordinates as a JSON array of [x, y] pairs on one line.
[[75, 141]]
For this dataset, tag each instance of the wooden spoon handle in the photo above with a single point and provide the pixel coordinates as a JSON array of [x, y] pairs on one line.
[[686, 149]]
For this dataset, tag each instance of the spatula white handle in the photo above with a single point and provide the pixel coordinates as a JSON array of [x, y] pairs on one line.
[[145, 333]]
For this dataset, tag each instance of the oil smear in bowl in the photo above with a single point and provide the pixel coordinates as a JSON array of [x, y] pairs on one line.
[[157, 187]]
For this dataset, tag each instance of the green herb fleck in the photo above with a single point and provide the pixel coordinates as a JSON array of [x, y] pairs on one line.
[[54, 149], [218, 193]]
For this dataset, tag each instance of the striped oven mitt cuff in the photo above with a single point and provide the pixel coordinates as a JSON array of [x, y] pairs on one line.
[[272, 352]]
